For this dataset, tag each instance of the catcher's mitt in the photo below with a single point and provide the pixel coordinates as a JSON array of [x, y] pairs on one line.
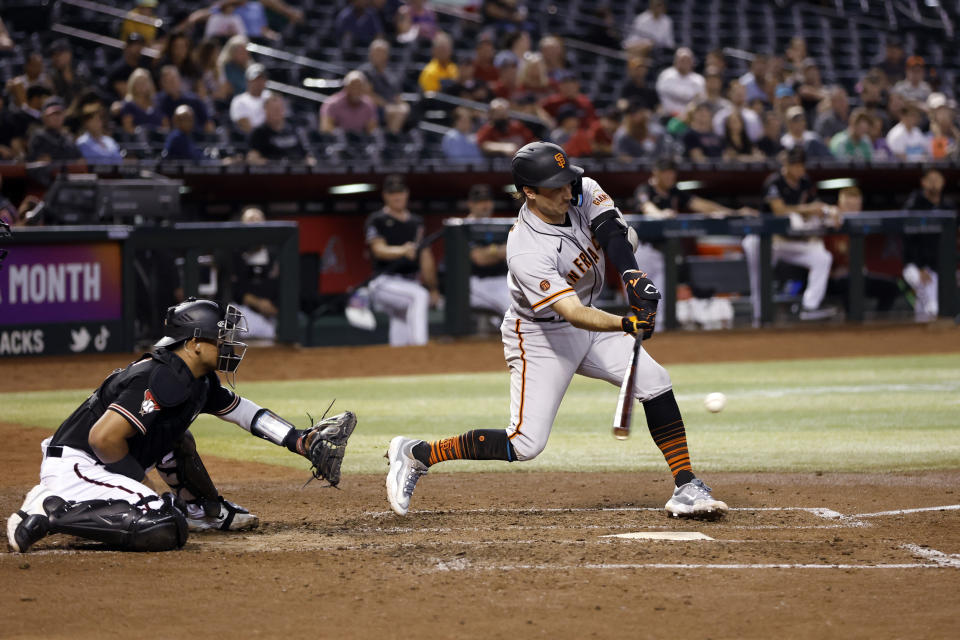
[[324, 444]]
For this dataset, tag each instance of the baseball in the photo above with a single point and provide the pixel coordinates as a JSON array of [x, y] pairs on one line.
[[715, 402]]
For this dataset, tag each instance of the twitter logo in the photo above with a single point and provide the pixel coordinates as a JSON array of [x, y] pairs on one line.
[[81, 339]]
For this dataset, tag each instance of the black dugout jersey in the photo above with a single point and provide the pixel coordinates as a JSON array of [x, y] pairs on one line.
[[158, 396], [674, 199], [921, 249], [489, 271], [395, 232], [776, 186]]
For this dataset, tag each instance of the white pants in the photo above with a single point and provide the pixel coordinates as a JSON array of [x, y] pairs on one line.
[[258, 325], [77, 476], [491, 292], [810, 254], [407, 303], [543, 356], [927, 305]]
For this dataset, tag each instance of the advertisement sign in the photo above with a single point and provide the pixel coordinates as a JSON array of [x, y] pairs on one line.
[[61, 283], [86, 337]]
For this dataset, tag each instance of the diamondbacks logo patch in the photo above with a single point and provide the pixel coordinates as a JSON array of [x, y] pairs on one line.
[[544, 285], [561, 160], [149, 403]]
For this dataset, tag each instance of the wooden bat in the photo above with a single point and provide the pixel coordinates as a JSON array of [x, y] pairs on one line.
[[624, 415]]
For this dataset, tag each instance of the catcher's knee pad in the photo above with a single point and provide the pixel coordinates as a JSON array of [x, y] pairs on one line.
[[183, 470], [123, 525]]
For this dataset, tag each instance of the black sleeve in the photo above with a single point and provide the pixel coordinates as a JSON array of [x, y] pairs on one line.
[[260, 142], [611, 232], [220, 400]]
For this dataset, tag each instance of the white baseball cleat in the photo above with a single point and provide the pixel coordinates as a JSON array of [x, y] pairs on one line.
[[693, 500], [29, 523], [232, 517], [405, 471]]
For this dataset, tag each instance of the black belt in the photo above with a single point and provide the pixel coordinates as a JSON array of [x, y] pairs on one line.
[[549, 320], [54, 451]]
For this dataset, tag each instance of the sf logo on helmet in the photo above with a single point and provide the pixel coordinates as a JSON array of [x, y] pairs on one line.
[[561, 160]]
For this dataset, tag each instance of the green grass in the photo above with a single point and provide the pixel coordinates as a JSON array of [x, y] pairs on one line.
[[859, 414]]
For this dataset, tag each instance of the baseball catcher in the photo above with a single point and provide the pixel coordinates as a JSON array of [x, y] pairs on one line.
[[94, 467]]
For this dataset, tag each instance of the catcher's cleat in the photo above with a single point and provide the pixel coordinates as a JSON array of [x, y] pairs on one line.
[[232, 517], [24, 529], [693, 500], [405, 471]]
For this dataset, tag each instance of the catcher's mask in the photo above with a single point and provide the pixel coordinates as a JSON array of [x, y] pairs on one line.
[[544, 164], [203, 319]]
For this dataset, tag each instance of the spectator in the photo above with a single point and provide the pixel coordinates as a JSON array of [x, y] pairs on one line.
[[441, 67], [602, 28], [502, 135], [141, 20], [790, 192], [737, 142], [11, 214], [881, 150], [716, 60], [635, 89], [700, 143], [753, 80], [905, 139], [810, 91], [172, 95], [554, 56], [504, 15], [595, 140], [275, 139], [12, 144], [139, 107], [179, 144], [639, 136], [568, 123], [52, 143], [224, 22], [737, 96], [67, 83], [784, 97], [255, 19], [834, 117], [506, 85], [349, 110], [132, 59], [797, 56], [569, 94], [920, 249], [460, 143], [358, 24], [914, 88], [944, 133], [799, 136], [246, 110], [385, 86], [210, 86], [483, 56], [30, 113], [713, 91], [872, 98], [526, 104], [488, 259], [892, 62], [467, 85], [679, 85], [393, 235], [33, 75], [176, 52], [232, 64], [853, 143], [416, 20], [256, 284], [650, 29], [95, 146], [532, 76], [6, 42]]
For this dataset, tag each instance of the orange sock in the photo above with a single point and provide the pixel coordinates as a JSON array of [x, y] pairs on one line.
[[479, 444]]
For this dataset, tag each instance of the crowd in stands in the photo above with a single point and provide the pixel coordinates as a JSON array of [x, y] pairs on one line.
[[203, 96]]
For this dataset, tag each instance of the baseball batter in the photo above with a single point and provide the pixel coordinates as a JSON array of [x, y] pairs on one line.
[[94, 467], [566, 229]]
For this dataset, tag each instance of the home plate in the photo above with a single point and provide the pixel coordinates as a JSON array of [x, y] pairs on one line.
[[661, 535]]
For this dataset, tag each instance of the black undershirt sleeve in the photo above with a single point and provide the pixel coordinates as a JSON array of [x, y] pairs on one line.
[[611, 233]]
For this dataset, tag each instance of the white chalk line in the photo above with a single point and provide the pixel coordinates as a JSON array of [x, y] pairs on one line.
[[941, 558], [466, 565], [898, 512], [781, 392], [818, 511]]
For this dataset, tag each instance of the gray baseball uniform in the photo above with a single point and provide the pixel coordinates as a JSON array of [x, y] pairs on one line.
[[548, 263]]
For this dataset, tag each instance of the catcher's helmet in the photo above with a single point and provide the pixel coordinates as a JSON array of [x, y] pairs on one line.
[[203, 319], [544, 164]]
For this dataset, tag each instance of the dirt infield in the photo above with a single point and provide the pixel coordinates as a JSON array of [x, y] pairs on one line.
[[515, 555]]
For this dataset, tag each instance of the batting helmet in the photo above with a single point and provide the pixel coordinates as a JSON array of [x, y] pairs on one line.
[[203, 319], [544, 164]]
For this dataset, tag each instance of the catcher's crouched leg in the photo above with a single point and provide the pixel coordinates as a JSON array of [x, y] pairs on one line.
[[119, 523], [183, 470]]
